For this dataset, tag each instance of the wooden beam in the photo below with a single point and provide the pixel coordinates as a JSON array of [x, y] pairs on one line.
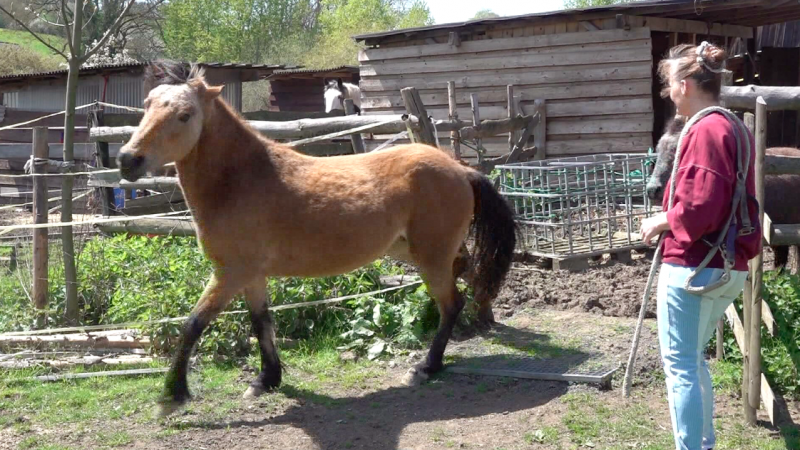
[[476, 121], [415, 108], [782, 165], [540, 131], [113, 179], [73, 341], [490, 128], [768, 318], [161, 227], [688, 26], [512, 111], [454, 39], [108, 373], [757, 270], [355, 139], [294, 129], [589, 26], [622, 22], [767, 394], [453, 116], [784, 234], [504, 44], [777, 97]]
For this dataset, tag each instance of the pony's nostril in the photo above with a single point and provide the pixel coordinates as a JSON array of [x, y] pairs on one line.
[[127, 161]]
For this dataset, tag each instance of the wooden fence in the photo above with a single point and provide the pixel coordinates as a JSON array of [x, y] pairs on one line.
[[308, 136], [747, 330]]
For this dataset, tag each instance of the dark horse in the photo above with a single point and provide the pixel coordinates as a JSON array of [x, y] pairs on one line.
[[263, 209], [780, 191]]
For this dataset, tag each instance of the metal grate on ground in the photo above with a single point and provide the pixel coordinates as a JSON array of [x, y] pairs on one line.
[[573, 368]]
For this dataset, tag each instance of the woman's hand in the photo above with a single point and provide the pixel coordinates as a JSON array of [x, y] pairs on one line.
[[653, 227]]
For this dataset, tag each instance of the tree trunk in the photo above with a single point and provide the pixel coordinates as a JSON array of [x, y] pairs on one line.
[[68, 246]]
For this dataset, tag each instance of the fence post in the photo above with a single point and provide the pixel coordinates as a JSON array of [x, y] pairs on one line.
[[355, 139], [41, 151], [747, 301], [727, 80], [512, 112], [415, 107], [104, 161], [453, 105], [757, 270], [540, 132], [476, 123]]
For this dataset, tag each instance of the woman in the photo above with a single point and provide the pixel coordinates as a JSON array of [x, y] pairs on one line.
[[704, 187]]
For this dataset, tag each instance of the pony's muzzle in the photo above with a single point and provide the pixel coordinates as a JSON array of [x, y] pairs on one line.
[[131, 167]]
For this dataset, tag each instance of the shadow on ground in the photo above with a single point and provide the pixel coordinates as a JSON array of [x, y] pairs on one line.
[[377, 420]]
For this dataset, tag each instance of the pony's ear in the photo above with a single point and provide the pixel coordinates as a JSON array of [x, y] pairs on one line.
[[213, 92]]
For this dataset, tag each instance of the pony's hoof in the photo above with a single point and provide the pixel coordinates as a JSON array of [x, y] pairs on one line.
[[414, 377], [168, 407], [253, 392]]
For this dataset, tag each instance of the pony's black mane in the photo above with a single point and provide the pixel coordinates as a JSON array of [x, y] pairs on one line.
[[170, 72]]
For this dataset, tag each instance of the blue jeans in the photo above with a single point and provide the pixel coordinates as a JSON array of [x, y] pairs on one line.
[[685, 324]]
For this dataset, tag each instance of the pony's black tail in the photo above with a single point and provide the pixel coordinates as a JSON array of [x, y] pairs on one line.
[[495, 233]]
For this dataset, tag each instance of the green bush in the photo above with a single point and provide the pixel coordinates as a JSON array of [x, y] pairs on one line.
[[16, 59], [780, 354], [142, 279]]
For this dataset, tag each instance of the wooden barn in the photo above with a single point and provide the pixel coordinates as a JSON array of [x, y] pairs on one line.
[[594, 69], [301, 90]]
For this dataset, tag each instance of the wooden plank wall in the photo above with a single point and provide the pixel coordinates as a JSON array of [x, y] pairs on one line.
[[305, 95], [597, 84]]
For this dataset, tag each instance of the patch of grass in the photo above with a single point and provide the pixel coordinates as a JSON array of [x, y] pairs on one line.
[[546, 435], [591, 422], [29, 443], [726, 376], [319, 360], [114, 439], [25, 39]]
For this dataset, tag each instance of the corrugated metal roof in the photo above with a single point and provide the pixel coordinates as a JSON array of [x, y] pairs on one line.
[[353, 69], [735, 12], [127, 66]]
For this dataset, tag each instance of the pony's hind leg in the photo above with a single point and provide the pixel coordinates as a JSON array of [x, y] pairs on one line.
[[217, 295], [263, 327], [442, 286]]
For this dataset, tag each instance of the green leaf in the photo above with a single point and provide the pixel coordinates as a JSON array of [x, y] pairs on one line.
[[376, 349]]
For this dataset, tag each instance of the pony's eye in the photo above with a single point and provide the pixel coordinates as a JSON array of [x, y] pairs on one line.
[[184, 117]]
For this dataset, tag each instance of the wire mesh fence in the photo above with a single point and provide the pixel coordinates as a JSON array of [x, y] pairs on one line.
[[578, 205]]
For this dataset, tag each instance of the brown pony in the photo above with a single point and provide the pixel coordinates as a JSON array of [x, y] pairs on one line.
[[263, 210]]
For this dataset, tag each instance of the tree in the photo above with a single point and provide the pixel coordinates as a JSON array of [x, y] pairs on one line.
[[341, 19], [580, 4], [73, 20], [484, 14], [244, 31]]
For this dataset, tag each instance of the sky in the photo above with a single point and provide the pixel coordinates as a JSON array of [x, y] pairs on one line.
[[445, 11]]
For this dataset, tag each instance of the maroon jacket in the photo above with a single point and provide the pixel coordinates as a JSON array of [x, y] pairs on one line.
[[704, 183]]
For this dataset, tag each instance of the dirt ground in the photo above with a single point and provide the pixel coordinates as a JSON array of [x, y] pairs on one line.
[[541, 313]]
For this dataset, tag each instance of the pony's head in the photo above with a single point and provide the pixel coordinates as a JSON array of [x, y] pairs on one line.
[[174, 114], [666, 148], [334, 95]]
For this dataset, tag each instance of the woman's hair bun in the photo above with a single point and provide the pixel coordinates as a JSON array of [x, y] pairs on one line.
[[713, 56]]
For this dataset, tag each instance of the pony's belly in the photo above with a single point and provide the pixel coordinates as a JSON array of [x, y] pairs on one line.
[[316, 261]]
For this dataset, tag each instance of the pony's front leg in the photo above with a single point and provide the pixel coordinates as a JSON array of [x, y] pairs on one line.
[[217, 295], [264, 329]]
